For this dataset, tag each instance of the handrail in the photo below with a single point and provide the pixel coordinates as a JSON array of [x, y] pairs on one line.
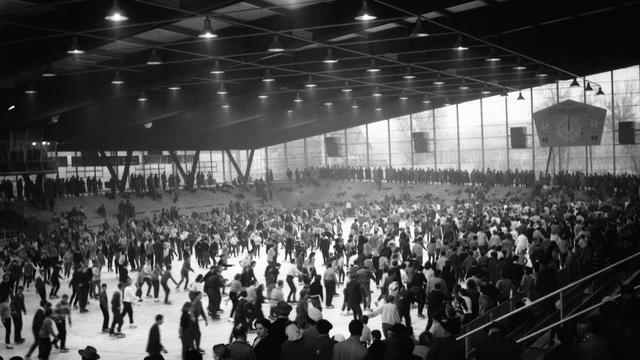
[[547, 328], [577, 282]]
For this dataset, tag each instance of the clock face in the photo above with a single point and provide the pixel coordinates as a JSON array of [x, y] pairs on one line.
[[568, 129]]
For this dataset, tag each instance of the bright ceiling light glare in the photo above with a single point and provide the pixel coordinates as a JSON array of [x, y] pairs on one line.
[[354, 104], [365, 14], [174, 87], [289, 111], [376, 92], [419, 30], [378, 109], [142, 97], [588, 87], [346, 88], [30, 90], [463, 85], [216, 70], [492, 56], [459, 46], [541, 74], [329, 58], [310, 83], [34, 143], [263, 96], [520, 97], [599, 92], [574, 83], [298, 99], [154, 59], [275, 45], [403, 97], [75, 48], [48, 71], [438, 80], [148, 125], [11, 107], [117, 79], [207, 31], [485, 90], [328, 103], [518, 66], [267, 76], [408, 75], [372, 67], [116, 14], [225, 106], [447, 102], [221, 90], [426, 100]]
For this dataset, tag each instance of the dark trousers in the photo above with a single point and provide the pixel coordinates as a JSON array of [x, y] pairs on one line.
[[17, 326], [105, 317], [36, 343], [127, 309], [54, 289], [292, 286], [117, 319], [83, 295], [42, 292], [330, 286], [62, 333], [234, 302], [7, 327], [44, 348], [357, 310], [165, 287], [156, 288], [214, 301]]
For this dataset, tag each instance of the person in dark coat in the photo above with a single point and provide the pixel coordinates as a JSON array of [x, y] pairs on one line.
[[264, 345], [277, 329], [496, 346], [324, 344], [154, 346]]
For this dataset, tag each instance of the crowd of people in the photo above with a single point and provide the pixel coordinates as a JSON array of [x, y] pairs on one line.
[[446, 263]]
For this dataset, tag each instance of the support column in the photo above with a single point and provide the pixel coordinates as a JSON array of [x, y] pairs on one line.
[[613, 124], [458, 134], [188, 178], [235, 164], [389, 139], [533, 138], [435, 147], [286, 156], [125, 172], [366, 134], [482, 132], [586, 147], [324, 138], [224, 171], [306, 160], [266, 158], [248, 170], [506, 122], [411, 140], [346, 149]]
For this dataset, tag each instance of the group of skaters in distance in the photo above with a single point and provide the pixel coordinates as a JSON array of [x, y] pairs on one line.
[[400, 260]]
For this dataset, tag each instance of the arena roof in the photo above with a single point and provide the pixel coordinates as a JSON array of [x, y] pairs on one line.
[[73, 98]]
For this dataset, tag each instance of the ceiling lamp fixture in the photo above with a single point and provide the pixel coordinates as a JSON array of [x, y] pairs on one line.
[[376, 92], [365, 14], [575, 83], [30, 90], [438, 80], [275, 46], [378, 109], [328, 103], [426, 99], [207, 31], [447, 102], [263, 96], [225, 105], [403, 96], [354, 104], [463, 85], [599, 92], [329, 58], [346, 88], [48, 71], [216, 70], [298, 99], [221, 90], [408, 75], [267, 76], [518, 66], [492, 56], [117, 79], [75, 49], [174, 87], [520, 97], [148, 125], [372, 67], [143, 97], [541, 74], [154, 59], [310, 83], [419, 30], [459, 46], [588, 87], [485, 90], [116, 14]]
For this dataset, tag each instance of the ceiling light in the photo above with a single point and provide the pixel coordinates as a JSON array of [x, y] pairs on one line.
[[492, 56], [148, 125], [34, 143], [154, 59], [459, 46], [446, 101], [310, 83], [541, 74], [48, 71], [378, 109], [30, 90], [225, 105], [376, 92], [275, 46], [117, 79], [298, 98], [267, 76], [408, 75], [328, 103], [419, 30], [504, 92], [463, 85], [575, 83], [207, 31], [11, 107], [346, 88], [588, 87], [354, 104], [263, 96], [372, 67], [426, 99], [599, 92], [221, 90], [143, 97], [518, 65], [520, 97], [329, 58], [289, 111], [174, 87], [485, 90], [438, 80], [116, 14], [403, 96], [216, 70], [75, 49], [365, 14]]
